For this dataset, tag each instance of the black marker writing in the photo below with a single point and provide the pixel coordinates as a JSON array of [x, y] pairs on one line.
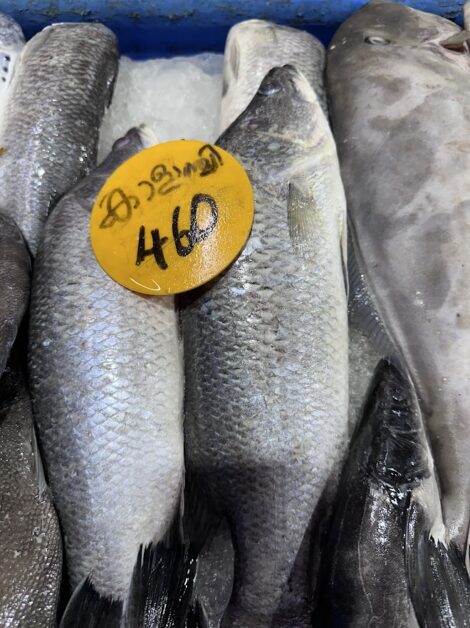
[[156, 250], [119, 207]]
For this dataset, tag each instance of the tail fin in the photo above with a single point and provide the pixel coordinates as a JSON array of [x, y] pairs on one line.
[[438, 580], [200, 521], [161, 587], [88, 609]]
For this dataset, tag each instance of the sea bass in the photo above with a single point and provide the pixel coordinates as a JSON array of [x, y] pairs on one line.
[[30, 541], [15, 280], [107, 382], [50, 129], [399, 102], [11, 44], [266, 353], [252, 48]]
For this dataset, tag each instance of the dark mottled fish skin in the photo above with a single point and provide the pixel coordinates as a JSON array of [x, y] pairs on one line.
[[15, 282], [30, 541], [49, 137], [364, 578], [266, 353], [399, 106], [106, 373]]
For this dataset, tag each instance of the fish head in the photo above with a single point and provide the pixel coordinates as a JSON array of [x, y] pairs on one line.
[[379, 28]]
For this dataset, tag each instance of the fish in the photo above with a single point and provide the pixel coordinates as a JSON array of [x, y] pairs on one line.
[[266, 355], [15, 284], [253, 47], [364, 570], [398, 102], [58, 94], [11, 44], [106, 373], [30, 539], [369, 568]]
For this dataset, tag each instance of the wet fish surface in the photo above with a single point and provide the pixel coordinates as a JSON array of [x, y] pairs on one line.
[[254, 47], [50, 129], [266, 353], [15, 282], [107, 381], [30, 540], [11, 45], [399, 104]]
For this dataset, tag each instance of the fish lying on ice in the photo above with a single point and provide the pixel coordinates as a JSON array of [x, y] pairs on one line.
[[254, 47], [30, 540], [266, 353], [399, 103], [107, 382], [57, 99]]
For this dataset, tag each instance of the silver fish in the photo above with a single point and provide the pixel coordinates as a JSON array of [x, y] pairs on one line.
[[254, 47], [399, 106], [107, 382], [30, 541], [11, 45], [15, 280], [266, 353], [50, 129]]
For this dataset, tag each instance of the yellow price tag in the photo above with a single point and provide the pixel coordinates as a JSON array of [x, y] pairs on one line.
[[172, 217]]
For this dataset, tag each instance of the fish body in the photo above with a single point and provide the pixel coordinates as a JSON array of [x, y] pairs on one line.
[[254, 47], [107, 380], [266, 353], [30, 540], [15, 280], [11, 45], [365, 580], [399, 106], [50, 128]]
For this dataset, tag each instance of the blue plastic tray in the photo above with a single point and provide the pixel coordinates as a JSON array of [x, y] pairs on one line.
[[168, 27]]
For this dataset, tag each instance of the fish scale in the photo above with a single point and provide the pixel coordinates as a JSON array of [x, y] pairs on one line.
[[266, 354], [57, 99], [106, 375]]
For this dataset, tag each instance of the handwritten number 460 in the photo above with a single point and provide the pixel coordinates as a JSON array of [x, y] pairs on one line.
[[193, 235]]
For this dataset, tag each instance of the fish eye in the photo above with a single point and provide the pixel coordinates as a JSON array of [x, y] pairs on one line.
[[376, 40], [268, 89]]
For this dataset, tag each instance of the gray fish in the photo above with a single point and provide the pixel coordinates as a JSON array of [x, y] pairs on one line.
[[107, 382], [11, 44], [50, 129], [399, 105], [365, 581], [30, 541], [254, 47], [266, 353], [15, 280]]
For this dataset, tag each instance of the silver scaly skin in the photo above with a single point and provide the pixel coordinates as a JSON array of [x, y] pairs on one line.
[[57, 99], [266, 353], [254, 47], [30, 540], [107, 382], [15, 283], [399, 93]]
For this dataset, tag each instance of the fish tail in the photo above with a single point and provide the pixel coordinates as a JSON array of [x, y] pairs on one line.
[[87, 608], [161, 587], [197, 617], [438, 580]]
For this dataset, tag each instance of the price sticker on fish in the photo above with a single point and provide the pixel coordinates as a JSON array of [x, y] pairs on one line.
[[172, 217]]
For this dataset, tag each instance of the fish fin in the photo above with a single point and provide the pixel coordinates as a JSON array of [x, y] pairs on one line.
[[88, 609], [457, 41], [362, 310], [197, 617], [301, 219], [438, 581], [200, 520], [38, 467], [161, 587]]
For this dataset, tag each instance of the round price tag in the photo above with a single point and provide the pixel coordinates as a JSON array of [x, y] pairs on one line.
[[172, 217]]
